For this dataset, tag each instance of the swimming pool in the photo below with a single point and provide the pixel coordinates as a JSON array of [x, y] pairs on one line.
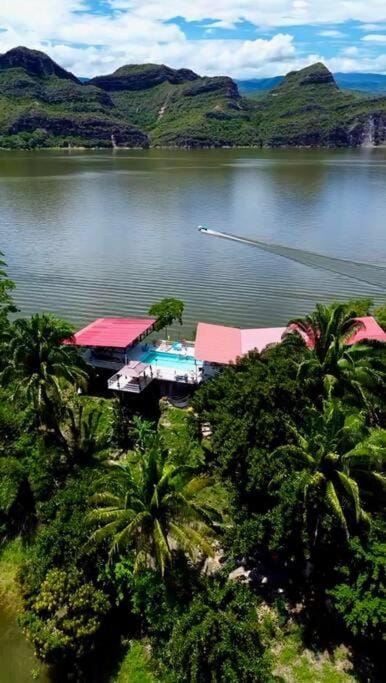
[[174, 361]]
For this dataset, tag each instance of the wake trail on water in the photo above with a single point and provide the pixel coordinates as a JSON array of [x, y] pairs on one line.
[[369, 273]]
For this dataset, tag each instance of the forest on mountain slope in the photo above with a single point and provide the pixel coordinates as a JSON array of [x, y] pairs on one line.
[[43, 105]]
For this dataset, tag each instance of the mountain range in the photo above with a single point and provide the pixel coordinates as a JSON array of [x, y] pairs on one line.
[[43, 105]]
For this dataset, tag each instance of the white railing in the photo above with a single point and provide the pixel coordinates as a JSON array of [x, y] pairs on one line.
[[133, 385]]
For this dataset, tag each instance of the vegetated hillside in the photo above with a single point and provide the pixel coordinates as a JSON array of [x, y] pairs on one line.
[[178, 107], [42, 104], [308, 109]]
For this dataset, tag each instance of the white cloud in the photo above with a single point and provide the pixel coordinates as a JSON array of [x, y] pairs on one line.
[[361, 63], [135, 31], [351, 51], [372, 27], [375, 38], [332, 33], [261, 12]]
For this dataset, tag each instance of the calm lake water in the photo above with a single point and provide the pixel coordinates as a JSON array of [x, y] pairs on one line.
[[89, 234]]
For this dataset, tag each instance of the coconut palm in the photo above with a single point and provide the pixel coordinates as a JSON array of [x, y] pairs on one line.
[[142, 432], [325, 326], [85, 430], [343, 464], [358, 369], [153, 507], [37, 361]]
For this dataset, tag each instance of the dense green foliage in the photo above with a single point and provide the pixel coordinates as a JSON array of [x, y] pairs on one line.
[[65, 616], [166, 312], [130, 529], [154, 506], [219, 638], [360, 598], [42, 105]]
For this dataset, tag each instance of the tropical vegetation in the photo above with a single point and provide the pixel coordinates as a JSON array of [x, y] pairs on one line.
[[149, 548]]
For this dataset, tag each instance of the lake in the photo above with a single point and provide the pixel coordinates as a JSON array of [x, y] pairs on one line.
[[106, 233]]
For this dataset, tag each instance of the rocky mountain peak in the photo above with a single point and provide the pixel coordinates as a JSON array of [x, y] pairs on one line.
[[142, 77], [37, 64], [315, 74]]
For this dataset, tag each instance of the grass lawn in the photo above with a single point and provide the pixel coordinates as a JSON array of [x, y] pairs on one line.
[[135, 666], [294, 663], [10, 560]]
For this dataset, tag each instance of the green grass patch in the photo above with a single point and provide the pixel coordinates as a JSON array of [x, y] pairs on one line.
[[10, 560], [135, 667], [296, 664]]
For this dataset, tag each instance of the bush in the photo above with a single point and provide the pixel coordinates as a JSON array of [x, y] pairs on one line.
[[360, 599], [218, 639], [65, 617]]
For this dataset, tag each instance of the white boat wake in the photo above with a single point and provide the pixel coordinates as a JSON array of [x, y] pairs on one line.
[[371, 274]]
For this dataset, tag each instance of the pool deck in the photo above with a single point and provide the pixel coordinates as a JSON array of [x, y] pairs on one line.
[[124, 380]]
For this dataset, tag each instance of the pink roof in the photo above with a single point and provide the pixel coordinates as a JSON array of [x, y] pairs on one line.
[[114, 332], [219, 344], [371, 330], [260, 338]]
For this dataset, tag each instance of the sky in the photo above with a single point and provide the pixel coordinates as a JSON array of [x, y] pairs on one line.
[[240, 38]]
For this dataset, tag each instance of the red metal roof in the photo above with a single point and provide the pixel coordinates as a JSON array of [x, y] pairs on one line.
[[370, 330], [112, 332]]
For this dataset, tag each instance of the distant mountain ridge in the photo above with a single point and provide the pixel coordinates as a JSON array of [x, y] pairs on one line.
[[365, 82], [141, 105]]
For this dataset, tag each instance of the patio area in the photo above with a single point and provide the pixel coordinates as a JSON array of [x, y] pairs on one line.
[[164, 360]]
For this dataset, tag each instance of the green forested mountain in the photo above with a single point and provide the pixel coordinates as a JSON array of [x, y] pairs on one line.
[[308, 109], [41, 104]]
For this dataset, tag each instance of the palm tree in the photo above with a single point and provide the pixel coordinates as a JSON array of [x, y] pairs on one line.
[[343, 464], [85, 431], [142, 432], [154, 507], [37, 361], [324, 327], [327, 360]]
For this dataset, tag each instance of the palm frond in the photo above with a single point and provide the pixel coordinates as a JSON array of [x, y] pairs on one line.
[[335, 506]]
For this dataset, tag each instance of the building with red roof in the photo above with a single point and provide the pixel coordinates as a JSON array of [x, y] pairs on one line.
[[117, 333]]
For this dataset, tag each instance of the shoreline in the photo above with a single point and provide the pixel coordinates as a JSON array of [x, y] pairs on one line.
[[83, 148]]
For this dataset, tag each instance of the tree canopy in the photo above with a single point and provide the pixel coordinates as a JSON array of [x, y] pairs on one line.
[[166, 312]]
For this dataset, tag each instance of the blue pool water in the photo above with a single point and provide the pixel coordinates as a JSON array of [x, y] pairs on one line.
[[175, 361]]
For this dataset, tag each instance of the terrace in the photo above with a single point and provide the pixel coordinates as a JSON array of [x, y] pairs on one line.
[[164, 361], [118, 344]]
